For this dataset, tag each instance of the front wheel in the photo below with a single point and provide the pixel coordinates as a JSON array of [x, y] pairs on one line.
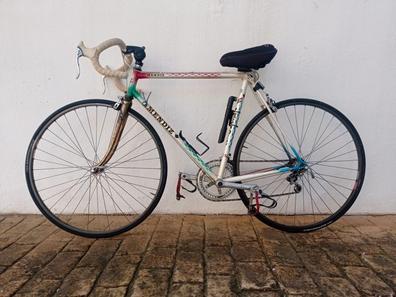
[[60, 171], [313, 197]]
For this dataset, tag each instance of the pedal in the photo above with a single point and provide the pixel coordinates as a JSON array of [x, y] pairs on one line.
[[254, 202], [189, 179], [256, 209]]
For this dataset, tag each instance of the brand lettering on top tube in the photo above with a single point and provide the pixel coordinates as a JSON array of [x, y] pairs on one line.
[[159, 119]]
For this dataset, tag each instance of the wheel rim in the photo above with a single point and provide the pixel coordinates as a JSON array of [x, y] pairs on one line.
[[81, 199], [329, 145]]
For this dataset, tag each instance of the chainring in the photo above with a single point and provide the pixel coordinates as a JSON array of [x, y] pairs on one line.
[[208, 188]]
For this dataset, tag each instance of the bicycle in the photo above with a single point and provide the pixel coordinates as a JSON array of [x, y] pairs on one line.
[[97, 168]]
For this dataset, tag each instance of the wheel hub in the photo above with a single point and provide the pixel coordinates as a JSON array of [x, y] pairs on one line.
[[97, 170]]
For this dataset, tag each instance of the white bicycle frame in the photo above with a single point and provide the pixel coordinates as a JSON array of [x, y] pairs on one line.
[[250, 79]]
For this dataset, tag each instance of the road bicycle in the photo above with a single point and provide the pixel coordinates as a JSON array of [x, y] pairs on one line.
[[97, 168]]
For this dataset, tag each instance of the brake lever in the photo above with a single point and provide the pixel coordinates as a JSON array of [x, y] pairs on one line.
[[79, 55]]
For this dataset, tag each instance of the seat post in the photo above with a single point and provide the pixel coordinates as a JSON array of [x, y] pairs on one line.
[[234, 125]]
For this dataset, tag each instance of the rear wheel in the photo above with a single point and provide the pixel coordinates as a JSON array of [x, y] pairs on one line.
[[60, 176], [309, 199]]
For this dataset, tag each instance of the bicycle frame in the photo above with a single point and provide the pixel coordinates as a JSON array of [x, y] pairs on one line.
[[248, 79]]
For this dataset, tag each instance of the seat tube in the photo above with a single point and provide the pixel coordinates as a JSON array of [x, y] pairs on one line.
[[234, 125]]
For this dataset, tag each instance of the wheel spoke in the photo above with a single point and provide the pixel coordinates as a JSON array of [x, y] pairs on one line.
[[310, 196], [85, 199]]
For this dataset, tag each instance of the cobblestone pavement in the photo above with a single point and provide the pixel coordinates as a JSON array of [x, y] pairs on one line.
[[191, 255]]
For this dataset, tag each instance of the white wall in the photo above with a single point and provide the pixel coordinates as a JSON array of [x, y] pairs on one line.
[[342, 52]]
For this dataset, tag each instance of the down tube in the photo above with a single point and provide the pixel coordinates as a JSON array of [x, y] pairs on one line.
[[185, 147]]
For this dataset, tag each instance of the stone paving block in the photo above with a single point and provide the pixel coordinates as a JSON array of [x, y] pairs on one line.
[[12, 253], [387, 222], [225, 268], [169, 224], [134, 244], [220, 285], [383, 265], [29, 223], [255, 276], [193, 244], [108, 292], [371, 230], [100, 252], [183, 290], [159, 258], [12, 279], [118, 272], [365, 280], [301, 242], [338, 287], [365, 248], [351, 238], [295, 280], [7, 240], [241, 229], [189, 257], [151, 283], [247, 252], [79, 282], [218, 260], [217, 239], [9, 222], [79, 244], [189, 267], [60, 266], [389, 247], [61, 235], [204, 254], [380, 263], [37, 235], [164, 239], [281, 253], [39, 288], [318, 264], [261, 294], [218, 254], [216, 232], [355, 220], [11, 287], [339, 254], [193, 226], [37, 258], [142, 229], [272, 235], [323, 233]]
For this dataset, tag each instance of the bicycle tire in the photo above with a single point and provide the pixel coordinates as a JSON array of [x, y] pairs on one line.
[[53, 217], [359, 179]]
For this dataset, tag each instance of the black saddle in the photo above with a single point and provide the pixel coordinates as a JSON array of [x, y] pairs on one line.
[[250, 58]]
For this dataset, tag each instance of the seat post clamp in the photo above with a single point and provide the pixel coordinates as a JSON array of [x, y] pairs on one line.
[[258, 86]]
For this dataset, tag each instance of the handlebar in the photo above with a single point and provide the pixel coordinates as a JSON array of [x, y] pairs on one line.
[[93, 54]]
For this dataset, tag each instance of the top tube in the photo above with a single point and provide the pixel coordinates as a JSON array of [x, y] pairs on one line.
[[185, 75]]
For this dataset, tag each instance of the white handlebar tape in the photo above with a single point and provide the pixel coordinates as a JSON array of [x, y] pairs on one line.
[[94, 53]]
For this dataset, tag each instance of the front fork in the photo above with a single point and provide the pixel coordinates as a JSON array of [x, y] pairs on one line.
[[117, 132]]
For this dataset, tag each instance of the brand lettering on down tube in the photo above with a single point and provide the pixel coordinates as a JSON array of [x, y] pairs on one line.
[[159, 119]]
